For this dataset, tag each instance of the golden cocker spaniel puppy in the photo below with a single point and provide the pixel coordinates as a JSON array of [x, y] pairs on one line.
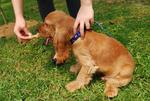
[[97, 52]]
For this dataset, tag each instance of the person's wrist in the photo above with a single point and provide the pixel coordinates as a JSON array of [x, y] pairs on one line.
[[19, 18], [86, 3], [87, 6], [20, 21]]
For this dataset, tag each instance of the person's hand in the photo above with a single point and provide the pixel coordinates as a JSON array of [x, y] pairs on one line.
[[85, 17], [21, 30]]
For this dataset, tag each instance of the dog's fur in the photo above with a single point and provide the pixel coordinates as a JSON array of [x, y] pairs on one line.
[[95, 53]]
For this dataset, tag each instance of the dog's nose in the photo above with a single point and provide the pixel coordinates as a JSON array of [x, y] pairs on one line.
[[54, 60]]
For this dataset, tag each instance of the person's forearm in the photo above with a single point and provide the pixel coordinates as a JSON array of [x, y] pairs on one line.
[[18, 8], [86, 2]]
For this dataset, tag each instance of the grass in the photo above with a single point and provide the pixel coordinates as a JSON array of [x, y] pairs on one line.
[[27, 74]]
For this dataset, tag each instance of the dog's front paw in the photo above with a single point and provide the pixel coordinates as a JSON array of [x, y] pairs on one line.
[[111, 92], [74, 85], [74, 69]]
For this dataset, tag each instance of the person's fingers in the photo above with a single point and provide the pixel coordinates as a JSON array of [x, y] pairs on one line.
[[87, 25], [82, 29], [21, 34], [76, 24], [91, 21], [27, 32]]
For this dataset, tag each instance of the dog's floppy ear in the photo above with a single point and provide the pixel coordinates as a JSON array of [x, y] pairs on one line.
[[47, 30], [61, 44]]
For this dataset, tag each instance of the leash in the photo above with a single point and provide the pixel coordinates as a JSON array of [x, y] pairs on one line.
[[102, 28], [99, 25]]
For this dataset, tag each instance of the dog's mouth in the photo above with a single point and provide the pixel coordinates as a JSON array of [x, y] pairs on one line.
[[48, 40]]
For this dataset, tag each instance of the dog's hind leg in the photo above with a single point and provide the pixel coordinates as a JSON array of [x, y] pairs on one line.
[[112, 85], [122, 79]]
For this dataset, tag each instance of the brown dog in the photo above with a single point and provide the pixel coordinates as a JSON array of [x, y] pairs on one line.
[[95, 53]]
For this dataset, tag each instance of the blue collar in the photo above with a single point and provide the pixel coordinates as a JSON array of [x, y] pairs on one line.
[[75, 37]]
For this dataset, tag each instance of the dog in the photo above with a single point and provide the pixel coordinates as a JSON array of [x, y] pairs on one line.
[[97, 52]]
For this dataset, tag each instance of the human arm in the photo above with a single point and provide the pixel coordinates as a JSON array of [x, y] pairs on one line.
[[85, 17], [20, 27]]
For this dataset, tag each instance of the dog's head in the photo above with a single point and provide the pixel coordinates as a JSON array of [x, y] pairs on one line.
[[58, 26], [46, 31]]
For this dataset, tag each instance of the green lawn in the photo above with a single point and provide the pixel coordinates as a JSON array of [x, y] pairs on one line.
[[27, 74]]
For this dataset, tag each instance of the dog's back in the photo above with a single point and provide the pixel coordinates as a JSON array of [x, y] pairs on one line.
[[107, 52]]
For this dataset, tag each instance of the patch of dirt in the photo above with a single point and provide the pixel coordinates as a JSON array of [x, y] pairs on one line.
[[7, 30]]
